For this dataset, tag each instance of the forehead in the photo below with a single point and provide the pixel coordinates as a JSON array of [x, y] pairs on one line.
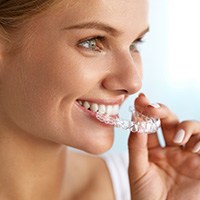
[[130, 15]]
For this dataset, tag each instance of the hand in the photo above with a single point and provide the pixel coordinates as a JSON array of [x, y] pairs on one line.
[[170, 173]]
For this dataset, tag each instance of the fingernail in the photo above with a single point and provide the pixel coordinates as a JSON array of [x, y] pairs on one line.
[[196, 148], [154, 105], [179, 136]]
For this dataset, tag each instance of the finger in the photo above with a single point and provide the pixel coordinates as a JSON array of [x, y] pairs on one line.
[[141, 102], [193, 145], [138, 156], [196, 148], [184, 162], [168, 119], [169, 122], [159, 111], [185, 130]]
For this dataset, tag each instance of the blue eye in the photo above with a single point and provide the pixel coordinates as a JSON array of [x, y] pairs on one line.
[[89, 44], [136, 45], [93, 44]]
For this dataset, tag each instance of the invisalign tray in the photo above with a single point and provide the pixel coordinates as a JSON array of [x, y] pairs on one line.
[[140, 123]]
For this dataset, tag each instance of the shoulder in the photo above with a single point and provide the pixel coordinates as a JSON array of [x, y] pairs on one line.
[[118, 168]]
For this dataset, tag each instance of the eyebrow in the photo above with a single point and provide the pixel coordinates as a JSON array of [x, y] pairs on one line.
[[103, 27]]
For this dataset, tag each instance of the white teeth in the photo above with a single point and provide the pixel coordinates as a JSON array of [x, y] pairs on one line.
[[80, 102], [103, 109], [109, 110], [94, 107], [86, 105], [115, 109]]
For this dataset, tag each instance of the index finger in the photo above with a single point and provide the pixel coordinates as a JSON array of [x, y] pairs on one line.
[[168, 119], [169, 123]]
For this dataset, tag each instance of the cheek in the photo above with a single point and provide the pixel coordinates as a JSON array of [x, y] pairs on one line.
[[65, 70], [39, 91]]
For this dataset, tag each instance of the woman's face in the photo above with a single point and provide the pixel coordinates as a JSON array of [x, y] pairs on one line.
[[72, 54]]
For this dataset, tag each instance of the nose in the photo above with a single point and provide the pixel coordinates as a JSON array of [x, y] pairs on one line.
[[125, 73]]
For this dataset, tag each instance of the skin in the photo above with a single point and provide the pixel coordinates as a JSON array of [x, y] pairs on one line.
[[168, 173], [66, 72], [44, 70]]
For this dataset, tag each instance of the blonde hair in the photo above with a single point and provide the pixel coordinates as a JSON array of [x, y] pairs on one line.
[[14, 13]]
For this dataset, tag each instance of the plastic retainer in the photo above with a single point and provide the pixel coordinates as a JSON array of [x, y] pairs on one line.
[[140, 123]]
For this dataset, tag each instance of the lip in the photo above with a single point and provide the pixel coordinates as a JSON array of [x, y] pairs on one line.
[[106, 102]]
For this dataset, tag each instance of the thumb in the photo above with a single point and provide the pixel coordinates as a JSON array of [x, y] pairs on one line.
[[138, 155]]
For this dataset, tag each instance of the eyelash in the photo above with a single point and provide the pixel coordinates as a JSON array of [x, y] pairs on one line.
[[135, 46], [87, 43], [92, 44]]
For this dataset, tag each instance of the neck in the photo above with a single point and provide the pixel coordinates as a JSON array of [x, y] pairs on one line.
[[31, 168]]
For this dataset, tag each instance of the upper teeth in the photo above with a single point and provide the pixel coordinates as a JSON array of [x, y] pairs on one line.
[[103, 109]]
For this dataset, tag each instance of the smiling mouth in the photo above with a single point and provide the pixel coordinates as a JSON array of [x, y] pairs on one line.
[[109, 110]]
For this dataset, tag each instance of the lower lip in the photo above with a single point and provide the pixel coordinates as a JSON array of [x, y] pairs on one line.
[[93, 115]]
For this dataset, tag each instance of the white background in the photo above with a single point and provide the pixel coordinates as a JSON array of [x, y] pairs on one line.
[[171, 61]]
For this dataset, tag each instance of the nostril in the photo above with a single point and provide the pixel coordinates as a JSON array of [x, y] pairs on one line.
[[123, 91], [125, 74]]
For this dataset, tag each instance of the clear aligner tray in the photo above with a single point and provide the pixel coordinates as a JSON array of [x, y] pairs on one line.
[[140, 123]]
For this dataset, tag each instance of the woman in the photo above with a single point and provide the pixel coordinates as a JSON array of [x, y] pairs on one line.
[[58, 58]]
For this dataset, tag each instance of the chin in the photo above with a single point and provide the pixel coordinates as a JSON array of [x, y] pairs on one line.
[[101, 144], [99, 149], [97, 146]]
